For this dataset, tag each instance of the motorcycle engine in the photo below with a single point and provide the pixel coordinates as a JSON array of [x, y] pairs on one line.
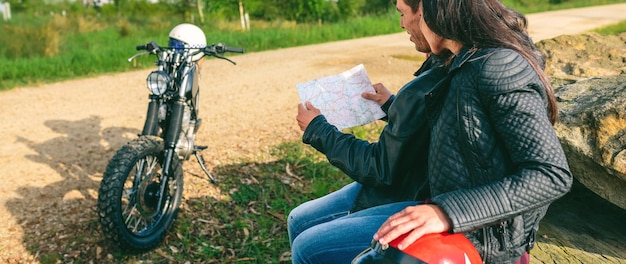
[[184, 146]]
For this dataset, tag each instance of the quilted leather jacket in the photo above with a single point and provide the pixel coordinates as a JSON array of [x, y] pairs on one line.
[[495, 162]]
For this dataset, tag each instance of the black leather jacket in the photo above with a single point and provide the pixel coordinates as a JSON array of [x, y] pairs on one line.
[[495, 162], [394, 168]]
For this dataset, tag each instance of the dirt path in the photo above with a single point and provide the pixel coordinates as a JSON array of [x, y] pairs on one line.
[[57, 138]]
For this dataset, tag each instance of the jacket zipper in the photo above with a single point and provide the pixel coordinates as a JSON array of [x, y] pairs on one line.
[[502, 233]]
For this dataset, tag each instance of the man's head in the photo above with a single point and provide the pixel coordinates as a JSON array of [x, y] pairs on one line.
[[410, 17]]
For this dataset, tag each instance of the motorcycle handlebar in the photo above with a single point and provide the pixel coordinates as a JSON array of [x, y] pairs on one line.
[[234, 49], [222, 48], [218, 48], [214, 50], [150, 46]]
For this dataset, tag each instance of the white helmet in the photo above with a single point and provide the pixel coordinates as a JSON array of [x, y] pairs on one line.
[[191, 36]]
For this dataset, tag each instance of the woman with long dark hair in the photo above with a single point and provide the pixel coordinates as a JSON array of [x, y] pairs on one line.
[[495, 162]]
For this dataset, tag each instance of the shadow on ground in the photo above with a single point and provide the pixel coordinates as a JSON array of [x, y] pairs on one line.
[[60, 222]]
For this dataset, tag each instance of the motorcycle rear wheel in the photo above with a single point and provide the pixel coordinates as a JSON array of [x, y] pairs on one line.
[[128, 198]]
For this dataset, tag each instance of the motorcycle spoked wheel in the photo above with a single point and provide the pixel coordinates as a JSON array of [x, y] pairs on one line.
[[128, 211]]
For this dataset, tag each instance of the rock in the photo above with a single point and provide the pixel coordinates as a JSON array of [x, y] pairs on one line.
[[592, 130], [589, 75], [573, 57]]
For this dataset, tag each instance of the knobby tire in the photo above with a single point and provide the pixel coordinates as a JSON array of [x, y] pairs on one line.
[[127, 210]]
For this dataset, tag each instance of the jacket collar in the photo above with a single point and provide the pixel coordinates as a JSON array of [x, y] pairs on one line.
[[465, 54]]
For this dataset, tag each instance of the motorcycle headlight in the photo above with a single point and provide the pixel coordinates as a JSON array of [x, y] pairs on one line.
[[158, 82]]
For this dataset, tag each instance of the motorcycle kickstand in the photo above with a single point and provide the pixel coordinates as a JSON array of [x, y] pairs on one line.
[[197, 152]]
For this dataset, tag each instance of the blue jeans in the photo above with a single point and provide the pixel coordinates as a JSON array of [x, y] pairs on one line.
[[323, 230]]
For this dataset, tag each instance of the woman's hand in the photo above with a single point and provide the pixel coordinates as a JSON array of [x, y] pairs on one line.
[[305, 115], [417, 221], [380, 97]]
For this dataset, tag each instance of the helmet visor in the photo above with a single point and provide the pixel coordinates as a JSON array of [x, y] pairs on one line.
[[176, 45]]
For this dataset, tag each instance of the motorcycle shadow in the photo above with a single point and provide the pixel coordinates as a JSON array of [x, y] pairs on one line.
[[59, 219]]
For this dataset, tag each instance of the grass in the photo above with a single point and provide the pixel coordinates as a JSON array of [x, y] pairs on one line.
[[612, 29], [249, 224], [535, 6], [76, 47], [43, 49]]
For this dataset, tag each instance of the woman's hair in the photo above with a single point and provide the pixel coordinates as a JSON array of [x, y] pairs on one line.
[[487, 24], [414, 4]]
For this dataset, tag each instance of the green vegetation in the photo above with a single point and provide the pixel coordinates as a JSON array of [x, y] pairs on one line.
[[612, 29], [253, 221], [535, 6], [59, 48], [46, 42]]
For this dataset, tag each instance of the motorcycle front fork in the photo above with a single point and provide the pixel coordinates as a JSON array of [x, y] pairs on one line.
[[151, 127], [174, 131]]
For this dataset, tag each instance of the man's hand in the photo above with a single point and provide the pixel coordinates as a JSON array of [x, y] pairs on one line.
[[417, 221], [305, 115], [380, 97]]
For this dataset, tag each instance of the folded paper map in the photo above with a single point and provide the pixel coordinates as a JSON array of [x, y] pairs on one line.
[[339, 98]]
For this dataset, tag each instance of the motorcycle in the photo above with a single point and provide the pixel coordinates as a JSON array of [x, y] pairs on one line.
[[142, 186]]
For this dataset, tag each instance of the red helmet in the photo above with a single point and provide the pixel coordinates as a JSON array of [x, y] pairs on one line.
[[443, 248]]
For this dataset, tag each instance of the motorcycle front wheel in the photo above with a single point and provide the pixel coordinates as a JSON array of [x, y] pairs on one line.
[[133, 212]]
